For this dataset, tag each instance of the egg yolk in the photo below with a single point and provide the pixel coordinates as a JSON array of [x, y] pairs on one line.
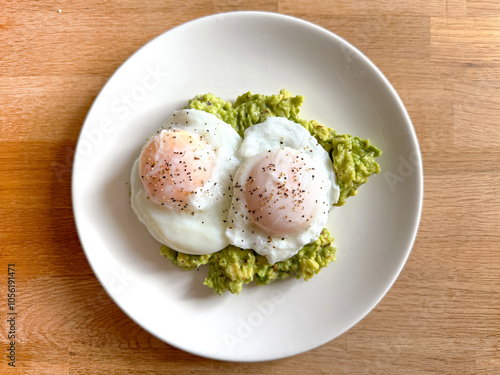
[[282, 192], [173, 165]]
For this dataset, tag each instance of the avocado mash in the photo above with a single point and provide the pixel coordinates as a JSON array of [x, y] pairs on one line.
[[353, 157], [353, 161], [232, 267]]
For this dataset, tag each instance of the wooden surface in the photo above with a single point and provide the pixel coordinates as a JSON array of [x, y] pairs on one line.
[[442, 316]]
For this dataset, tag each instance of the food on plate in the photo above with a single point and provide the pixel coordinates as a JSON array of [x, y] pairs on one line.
[[287, 174], [353, 158], [181, 184], [283, 190], [232, 267]]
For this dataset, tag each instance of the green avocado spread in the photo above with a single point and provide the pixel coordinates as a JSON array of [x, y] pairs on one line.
[[353, 161]]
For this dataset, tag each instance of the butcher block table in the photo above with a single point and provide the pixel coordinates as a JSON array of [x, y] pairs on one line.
[[442, 315]]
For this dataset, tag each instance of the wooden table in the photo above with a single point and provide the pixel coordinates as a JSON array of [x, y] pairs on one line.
[[442, 316]]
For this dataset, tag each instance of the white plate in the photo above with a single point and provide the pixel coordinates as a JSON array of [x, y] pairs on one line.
[[229, 54]]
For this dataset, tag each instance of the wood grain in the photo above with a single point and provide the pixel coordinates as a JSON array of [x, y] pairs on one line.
[[442, 316]]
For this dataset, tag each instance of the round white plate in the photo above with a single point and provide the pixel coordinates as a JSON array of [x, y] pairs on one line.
[[229, 54]]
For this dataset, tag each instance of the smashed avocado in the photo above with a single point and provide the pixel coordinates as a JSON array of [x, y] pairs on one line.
[[232, 267], [353, 161], [353, 158]]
